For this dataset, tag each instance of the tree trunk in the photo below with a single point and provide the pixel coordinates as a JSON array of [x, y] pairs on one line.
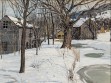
[[93, 31], [67, 38], [22, 67], [110, 29], [93, 35], [23, 38], [36, 37], [48, 34], [52, 27], [110, 34]]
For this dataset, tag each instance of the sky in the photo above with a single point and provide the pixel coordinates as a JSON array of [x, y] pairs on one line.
[[7, 9], [10, 12]]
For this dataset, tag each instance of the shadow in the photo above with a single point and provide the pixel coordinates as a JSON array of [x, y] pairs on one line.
[[94, 55], [15, 71], [9, 77], [79, 45]]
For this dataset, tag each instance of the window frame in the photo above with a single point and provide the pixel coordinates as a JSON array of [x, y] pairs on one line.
[[5, 24]]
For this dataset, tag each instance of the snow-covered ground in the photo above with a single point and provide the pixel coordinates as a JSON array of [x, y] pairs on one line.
[[101, 45], [49, 66]]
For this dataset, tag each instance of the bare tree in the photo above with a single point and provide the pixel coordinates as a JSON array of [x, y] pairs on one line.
[[47, 21], [24, 8], [3, 6], [65, 9], [110, 29], [53, 35]]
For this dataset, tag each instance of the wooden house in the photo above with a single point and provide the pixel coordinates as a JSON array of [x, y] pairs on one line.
[[85, 28], [60, 35], [10, 34]]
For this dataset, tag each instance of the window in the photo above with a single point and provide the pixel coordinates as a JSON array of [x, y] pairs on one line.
[[5, 24], [4, 46], [59, 36]]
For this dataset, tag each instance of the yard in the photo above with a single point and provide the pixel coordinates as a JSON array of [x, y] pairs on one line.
[[49, 66]]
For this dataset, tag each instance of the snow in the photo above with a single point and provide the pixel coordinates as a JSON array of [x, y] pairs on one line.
[[49, 66], [79, 22], [105, 14], [13, 19], [102, 45], [16, 21]]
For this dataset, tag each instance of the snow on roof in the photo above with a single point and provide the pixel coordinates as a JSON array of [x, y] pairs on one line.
[[19, 22], [105, 14], [13, 19], [80, 22]]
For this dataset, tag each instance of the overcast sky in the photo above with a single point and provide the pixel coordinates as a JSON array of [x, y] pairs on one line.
[[10, 12], [7, 9]]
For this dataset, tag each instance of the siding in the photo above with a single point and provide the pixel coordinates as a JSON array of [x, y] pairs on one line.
[[12, 35]]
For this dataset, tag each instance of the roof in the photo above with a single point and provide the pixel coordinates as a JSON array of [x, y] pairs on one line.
[[19, 22], [80, 22], [105, 14]]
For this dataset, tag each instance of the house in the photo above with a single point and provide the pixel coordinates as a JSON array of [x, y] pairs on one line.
[[85, 28], [60, 35], [11, 32], [103, 25]]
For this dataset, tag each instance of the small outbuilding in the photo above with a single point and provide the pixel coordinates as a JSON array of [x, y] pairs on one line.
[[60, 35], [85, 28], [11, 32]]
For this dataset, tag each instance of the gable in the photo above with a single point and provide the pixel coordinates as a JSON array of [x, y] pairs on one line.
[[15, 22], [19, 22], [10, 22]]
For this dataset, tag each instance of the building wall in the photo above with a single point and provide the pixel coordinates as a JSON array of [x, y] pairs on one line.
[[60, 35], [9, 36], [12, 36], [83, 32], [88, 29]]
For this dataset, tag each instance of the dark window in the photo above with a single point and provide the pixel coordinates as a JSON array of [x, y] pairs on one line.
[[4, 46], [5, 24], [59, 36]]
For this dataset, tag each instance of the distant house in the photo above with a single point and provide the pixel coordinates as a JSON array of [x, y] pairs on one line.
[[85, 29], [60, 35], [103, 25], [10, 34]]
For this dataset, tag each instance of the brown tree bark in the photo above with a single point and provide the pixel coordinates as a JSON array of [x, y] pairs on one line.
[[23, 38], [48, 29], [22, 67], [48, 34], [67, 38], [110, 29], [52, 27]]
